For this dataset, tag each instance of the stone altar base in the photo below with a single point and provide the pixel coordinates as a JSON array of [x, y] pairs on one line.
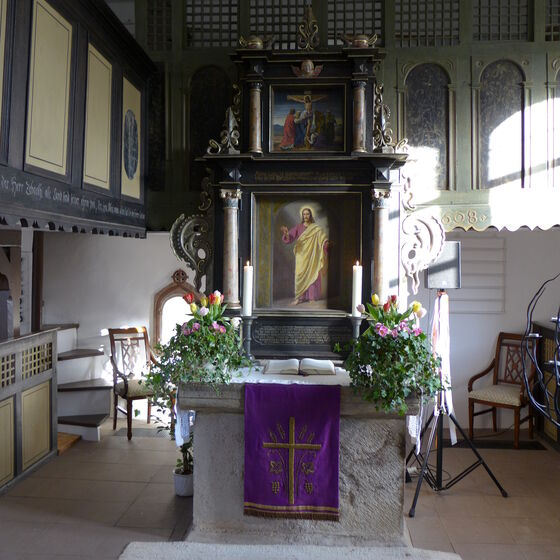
[[371, 480], [371, 474], [202, 551]]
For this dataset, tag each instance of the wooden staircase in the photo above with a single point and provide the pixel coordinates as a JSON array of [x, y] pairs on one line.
[[84, 396]]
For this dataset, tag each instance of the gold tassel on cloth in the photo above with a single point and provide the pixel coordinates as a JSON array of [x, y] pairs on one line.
[[297, 512]]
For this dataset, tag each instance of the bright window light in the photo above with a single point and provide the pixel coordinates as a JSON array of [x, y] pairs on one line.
[[175, 310]]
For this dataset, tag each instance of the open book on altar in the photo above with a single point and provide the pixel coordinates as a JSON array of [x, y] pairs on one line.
[[293, 366]]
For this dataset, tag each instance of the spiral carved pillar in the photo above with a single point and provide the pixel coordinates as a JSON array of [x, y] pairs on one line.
[[230, 282], [255, 118]]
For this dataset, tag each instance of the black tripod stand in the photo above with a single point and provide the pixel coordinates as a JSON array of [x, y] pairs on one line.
[[434, 479]]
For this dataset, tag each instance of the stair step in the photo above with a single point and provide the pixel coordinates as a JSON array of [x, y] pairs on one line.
[[86, 420], [60, 326], [66, 441], [98, 384], [79, 353]]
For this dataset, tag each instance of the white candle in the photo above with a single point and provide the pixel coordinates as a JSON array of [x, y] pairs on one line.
[[356, 289], [247, 310]]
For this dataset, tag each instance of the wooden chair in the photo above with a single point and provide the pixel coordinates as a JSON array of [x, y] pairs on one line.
[[507, 389], [131, 356]]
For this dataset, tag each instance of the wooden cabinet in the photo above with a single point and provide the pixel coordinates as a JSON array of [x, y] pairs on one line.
[[28, 419], [35, 422], [7, 439]]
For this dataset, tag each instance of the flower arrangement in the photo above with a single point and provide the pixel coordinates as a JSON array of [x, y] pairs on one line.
[[392, 360], [207, 347], [204, 349]]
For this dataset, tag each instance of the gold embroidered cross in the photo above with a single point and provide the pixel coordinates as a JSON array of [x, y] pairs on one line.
[[291, 446]]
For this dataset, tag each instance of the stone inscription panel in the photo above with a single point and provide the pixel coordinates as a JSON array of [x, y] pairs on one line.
[[296, 336]]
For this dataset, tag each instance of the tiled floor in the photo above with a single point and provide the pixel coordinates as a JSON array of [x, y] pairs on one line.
[[474, 520], [97, 497], [93, 500]]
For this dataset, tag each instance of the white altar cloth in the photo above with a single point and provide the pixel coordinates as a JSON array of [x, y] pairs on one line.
[[256, 375]]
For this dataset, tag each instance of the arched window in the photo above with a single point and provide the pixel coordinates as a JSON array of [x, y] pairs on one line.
[[427, 125], [170, 308], [174, 311], [501, 125]]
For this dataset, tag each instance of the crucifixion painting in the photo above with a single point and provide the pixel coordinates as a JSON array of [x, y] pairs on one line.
[[308, 120]]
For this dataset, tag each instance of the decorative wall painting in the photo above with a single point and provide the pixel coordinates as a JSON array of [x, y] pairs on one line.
[[307, 119]]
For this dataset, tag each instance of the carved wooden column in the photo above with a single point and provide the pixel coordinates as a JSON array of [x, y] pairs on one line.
[[230, 283], [380, 229], [255, 118], [359, 136]]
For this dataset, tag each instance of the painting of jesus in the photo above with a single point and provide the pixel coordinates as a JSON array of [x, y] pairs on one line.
[[307, 119], [304, 247], [310, 250]]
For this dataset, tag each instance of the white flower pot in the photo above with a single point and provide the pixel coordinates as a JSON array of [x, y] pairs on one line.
[[183, 484]]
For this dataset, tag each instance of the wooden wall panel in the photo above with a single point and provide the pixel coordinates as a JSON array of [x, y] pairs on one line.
[[35, 418], [49, 89], [98, 120], [6, 440], [131, 140]]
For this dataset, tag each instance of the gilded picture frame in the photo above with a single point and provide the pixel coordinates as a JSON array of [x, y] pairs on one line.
[[301, 264]]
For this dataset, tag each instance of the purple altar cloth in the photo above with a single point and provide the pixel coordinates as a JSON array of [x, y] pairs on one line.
[[291, 450]]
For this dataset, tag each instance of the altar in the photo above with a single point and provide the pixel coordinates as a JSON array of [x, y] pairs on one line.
[[371, 475]]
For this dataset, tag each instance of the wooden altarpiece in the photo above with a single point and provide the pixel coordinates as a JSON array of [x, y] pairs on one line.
[[307, 130]]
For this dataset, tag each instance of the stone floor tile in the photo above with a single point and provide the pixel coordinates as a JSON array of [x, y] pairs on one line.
[[476, 551], [151, 514], [48, 510], [183, 521], [535, 531], [443, 545], [426, 529], [163, 493], [96, 471], [539, 552], [98, 490], [486, 530], [163, 474], [451, 505], [522, 506]]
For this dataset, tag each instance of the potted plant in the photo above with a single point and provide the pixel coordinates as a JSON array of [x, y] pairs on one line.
[[183, 472], [392, 361], [204, 349]]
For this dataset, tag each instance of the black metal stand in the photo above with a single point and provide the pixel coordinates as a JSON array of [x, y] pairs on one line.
[[435, 479], [247, 337]]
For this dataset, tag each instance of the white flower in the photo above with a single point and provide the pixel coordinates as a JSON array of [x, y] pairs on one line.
[[203, 311], [236, 321], [421, 313]]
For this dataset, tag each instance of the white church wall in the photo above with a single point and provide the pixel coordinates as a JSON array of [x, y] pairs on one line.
[[530, 258], [101, 282]]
